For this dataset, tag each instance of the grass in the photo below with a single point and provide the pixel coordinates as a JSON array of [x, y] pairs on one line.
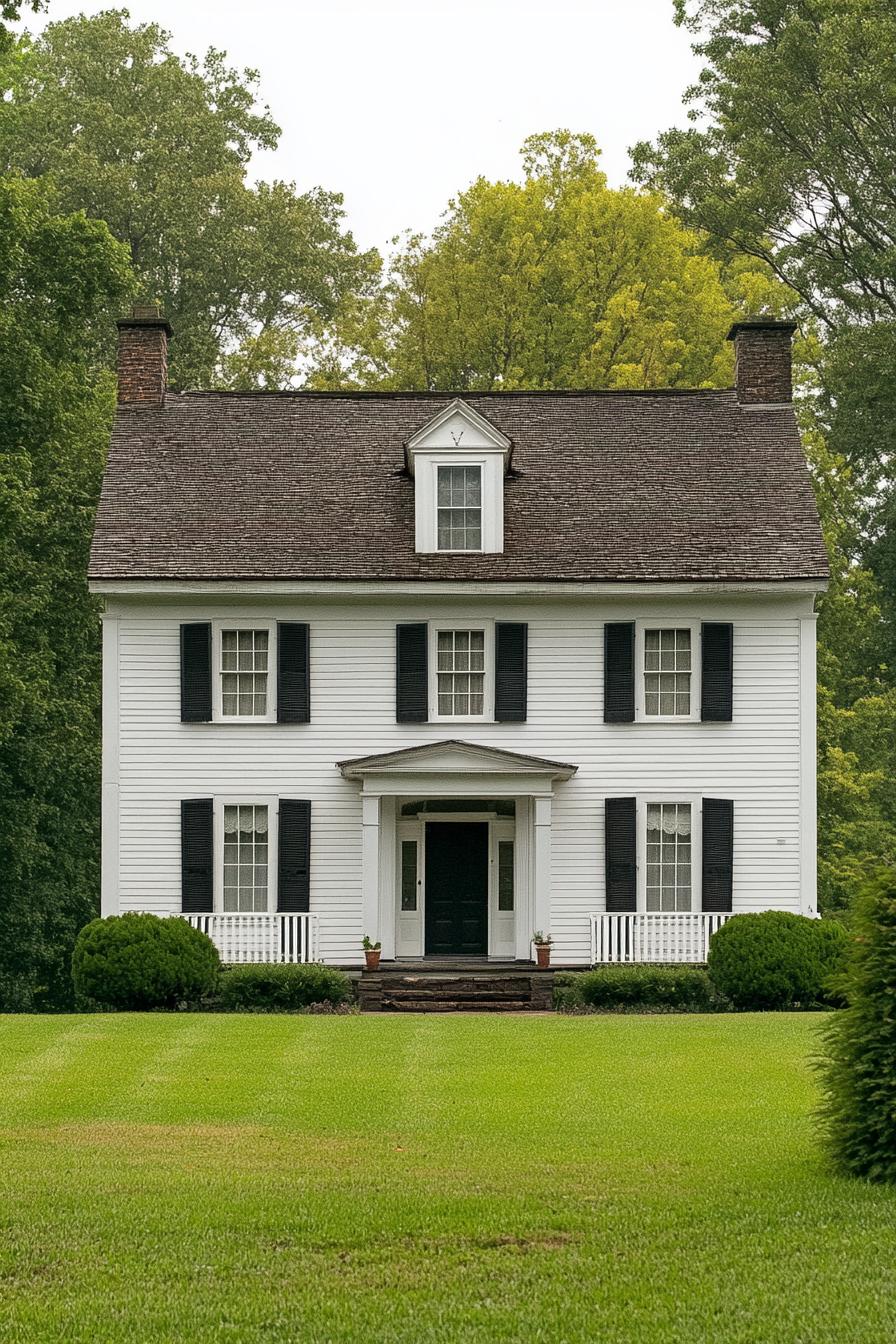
[[177, 1179]]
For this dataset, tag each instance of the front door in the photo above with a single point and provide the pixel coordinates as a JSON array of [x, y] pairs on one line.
[[456, 888]]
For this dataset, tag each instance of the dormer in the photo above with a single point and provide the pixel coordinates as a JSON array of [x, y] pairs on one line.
[[458, 461]]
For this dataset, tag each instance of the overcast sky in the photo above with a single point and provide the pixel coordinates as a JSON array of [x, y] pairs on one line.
[[399, 104]]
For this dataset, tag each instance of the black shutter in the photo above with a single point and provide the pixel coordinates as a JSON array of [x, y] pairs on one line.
[[716, 691], [411, 682], [196, 856], [619, 672], [294, 855], [718, 853], [511, 650], [196, 673], [293, 685], [620, 854]]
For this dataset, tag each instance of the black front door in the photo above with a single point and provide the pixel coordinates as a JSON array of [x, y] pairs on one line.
[[456, 888]]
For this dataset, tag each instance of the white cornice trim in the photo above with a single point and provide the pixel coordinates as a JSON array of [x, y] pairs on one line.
[[328, 588]]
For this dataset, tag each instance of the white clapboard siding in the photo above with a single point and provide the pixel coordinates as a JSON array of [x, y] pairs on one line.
[[755, 760]]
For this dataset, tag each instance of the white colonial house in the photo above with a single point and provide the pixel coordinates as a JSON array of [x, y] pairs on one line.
[[445, 669]]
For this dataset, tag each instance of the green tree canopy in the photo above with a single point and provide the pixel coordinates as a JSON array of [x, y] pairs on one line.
[[793, 160], [557, 281], [62, 278], [158, 147]]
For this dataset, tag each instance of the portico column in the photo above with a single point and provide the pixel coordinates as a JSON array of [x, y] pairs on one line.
[[541, 863], [370, 867]]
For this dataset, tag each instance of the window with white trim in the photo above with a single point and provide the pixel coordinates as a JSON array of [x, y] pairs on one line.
[[459, 507], [668, 868], [460, 674], [668, 655], [244, 667], [246, 867]]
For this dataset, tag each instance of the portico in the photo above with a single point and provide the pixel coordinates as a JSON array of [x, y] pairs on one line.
[[456, 849]]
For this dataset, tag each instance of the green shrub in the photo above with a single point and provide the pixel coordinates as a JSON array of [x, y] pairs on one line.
[[859, 1068], [281, 988], [673, 988], [138, 961], [777, 960]]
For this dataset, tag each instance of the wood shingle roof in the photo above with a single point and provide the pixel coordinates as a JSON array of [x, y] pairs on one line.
[[651, 486]]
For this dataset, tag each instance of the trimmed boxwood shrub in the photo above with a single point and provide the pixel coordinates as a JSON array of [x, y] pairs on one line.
[[139, 961], [777, 960], [859, 1068], [669, 988], [281, 988]]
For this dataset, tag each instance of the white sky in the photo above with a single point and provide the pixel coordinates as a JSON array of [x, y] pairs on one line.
[[399, 104]]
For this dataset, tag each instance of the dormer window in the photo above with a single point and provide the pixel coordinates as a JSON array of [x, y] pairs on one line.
[[459, 508], [458, 461]]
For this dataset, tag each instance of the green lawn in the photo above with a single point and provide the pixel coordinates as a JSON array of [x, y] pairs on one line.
[[637, 1179]]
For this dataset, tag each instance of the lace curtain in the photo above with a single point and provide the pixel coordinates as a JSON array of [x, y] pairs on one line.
[[247, 818], [670, 818]]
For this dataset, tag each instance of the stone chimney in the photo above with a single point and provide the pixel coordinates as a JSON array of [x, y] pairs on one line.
[[143, 357], [762, 361]]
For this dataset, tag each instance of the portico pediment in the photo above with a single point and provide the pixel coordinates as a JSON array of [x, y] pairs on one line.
[[455, 758]]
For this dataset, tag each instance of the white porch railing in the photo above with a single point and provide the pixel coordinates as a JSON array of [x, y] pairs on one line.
[[652, 937], [260, 937]]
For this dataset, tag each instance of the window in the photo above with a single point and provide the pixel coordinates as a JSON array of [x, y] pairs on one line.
[[243, 670], [246, 884], [459, 508], [408, 875], [460, 673], [667, 673], [505, 875], [669, 881]]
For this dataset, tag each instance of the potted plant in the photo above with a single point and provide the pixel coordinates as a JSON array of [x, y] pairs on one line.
[[542, 943], [371, 953]]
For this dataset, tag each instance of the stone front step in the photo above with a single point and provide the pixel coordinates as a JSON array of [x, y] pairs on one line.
[[409, 1005], [438, 992]]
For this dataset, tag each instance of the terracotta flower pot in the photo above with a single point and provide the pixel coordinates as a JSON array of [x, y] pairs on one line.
[[543, 955], [372, 958]]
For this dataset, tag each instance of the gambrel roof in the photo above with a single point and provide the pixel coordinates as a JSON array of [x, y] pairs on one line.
[[603, 486]]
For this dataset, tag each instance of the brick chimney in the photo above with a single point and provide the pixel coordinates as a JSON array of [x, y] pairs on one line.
[[143, 357], [762, 361]]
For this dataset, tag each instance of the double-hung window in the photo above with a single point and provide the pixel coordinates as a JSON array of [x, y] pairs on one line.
[[459, 508], [668, 868], [246, 870], [245, 665], [460, 674], [668, 672]]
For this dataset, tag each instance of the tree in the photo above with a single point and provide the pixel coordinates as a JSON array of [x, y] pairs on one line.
[[554, 282], [10, 12], [796, 162], [62, 277], [859, 1070], [158, 147]]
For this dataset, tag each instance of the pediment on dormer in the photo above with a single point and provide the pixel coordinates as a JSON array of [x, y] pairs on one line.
[[458, 427]]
